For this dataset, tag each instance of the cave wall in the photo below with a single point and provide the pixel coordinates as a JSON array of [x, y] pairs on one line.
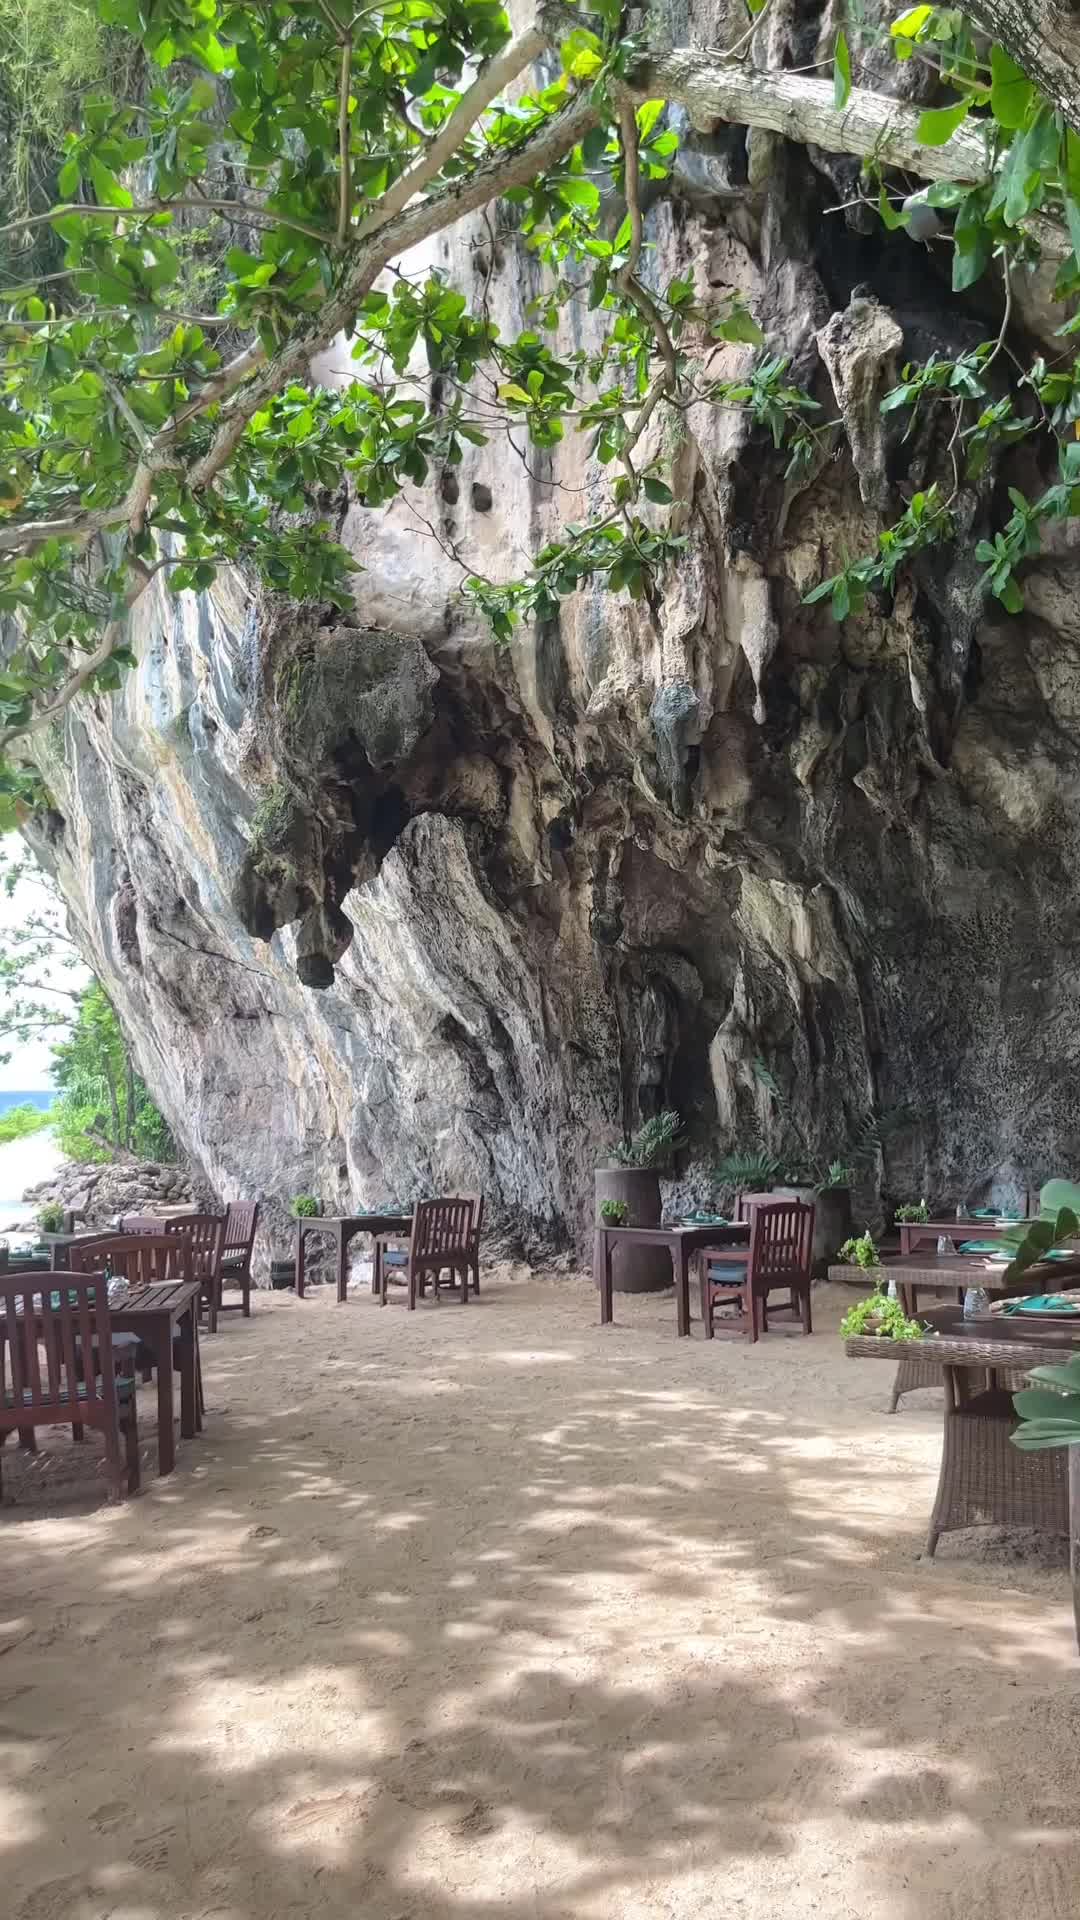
[[387, 909]]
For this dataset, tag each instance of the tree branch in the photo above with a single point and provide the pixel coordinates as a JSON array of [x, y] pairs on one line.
[[344, 164], [496, 75]]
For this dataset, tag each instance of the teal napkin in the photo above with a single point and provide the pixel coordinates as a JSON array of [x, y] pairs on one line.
[[1041, 1303], [705, 1220], [983, 1246]]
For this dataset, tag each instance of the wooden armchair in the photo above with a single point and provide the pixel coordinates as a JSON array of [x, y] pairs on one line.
[[441, 1240], [46, 1333], [780, 1254], [205, 1234], [241, 1220]]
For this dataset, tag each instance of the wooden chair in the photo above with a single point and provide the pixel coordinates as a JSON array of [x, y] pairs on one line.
[[241, 1220], [205, 1233], [390, 1252], [780, 1253], [46, 1333], [441, 1239]]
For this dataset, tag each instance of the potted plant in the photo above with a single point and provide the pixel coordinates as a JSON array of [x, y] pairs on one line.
[[304, 1206], [860, 1253], [50, 1217], [613, 1213], [742, 1172], [634, 1180], [880, 1318], [912, 1213]]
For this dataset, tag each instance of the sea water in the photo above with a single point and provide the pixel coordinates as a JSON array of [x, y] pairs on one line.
[[24, 1162]]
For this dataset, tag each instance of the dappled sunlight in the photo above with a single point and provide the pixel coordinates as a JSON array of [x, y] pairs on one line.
[[464, 1637]]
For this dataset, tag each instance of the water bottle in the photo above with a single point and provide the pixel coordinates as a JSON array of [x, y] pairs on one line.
[[892, 1293], [976, 1301]]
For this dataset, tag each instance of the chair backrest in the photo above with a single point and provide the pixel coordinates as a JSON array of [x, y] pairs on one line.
[[205, 1234], [476, 1200], [49, 1327], [781, 1243], [138, 1258], [442, 1227], [241, 1220]]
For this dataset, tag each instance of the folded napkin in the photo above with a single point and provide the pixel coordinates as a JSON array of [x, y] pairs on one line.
[[983, 1246], [1041, 1303], [705, 1220]]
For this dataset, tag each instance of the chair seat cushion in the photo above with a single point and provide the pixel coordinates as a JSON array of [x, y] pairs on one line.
[[721, 1276], [124, 1388], [392, 1258]]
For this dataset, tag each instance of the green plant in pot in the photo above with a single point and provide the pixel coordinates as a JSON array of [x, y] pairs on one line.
[[614, 1213], [632, 1179], [881, 1318], [741, 1172], [861, 1252], [911, 1213], [50, 1217], [304, 1206]]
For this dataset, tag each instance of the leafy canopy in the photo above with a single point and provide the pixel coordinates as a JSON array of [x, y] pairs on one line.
[[155, 425]]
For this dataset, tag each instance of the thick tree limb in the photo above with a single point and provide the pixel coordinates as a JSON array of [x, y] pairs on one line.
[[1043, 37], [495, 78]]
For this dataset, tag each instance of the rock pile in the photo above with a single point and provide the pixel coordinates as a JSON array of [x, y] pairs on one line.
[[136, 1186]]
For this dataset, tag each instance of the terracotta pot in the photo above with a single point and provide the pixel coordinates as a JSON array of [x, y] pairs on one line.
[[635, 1269]]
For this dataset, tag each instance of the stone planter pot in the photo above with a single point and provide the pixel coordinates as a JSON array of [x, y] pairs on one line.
[[832, 1220], [635, 1269]]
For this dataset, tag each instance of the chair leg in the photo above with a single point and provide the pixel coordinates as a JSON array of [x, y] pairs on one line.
[[213, 1302], [804, 1305], [463, 1273], [376, 1267], [245, 1296], [754, 1311], [475, 1263], [78, 1432], [28, 1440]]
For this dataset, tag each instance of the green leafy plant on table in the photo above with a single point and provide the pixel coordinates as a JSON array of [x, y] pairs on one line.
[[861, 1252], [912, 1213], [614, 1213], [879, 1316], [304, 1207], [1031, 1240], [50, 1217], [653, 1144]]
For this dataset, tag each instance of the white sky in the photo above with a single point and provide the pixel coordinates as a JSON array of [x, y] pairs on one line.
[[28, 1069]]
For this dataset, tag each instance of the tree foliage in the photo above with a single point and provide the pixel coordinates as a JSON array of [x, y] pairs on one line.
[[105, 1107], [140, 437]]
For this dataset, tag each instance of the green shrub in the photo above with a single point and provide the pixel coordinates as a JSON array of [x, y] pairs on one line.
[[881, 1316], [50, 1217], [304, 1206], [19, 1122], [653, 1144], [861, 1252], [912, 1212], [614, 1212]]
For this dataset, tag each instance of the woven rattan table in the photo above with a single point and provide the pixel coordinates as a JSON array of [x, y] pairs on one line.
[[985, 1480]]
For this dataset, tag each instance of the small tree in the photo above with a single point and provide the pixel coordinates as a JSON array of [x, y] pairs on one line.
[[34, 950]]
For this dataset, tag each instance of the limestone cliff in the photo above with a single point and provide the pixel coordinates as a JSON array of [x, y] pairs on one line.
[[386, 909]]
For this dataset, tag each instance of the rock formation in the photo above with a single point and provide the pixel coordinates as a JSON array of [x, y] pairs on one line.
[[386, 909]]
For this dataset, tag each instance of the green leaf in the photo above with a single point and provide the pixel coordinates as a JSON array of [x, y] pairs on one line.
[[516, 393], [739, 325], [1072, 215], [1011, 92], [841, 71], [579, 193], [910, 24], [1010, 596], [68, 179], [938, 124], [973, 243], [658, 493], [889, 217]]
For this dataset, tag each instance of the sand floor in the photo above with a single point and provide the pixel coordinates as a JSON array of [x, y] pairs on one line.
[[493, 1613]]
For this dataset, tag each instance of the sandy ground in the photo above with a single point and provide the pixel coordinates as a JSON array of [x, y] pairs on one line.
[[494, 1613]]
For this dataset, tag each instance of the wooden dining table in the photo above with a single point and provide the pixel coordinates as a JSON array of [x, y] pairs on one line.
[[341, 1228], [913, 1233], [681, 1243]]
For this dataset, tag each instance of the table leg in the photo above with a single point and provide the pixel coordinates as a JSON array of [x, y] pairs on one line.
[[342, 1266], [188, 1392], [159, 1340], [1074, 1533], [602, 1258], [299, 1260], [680, 1260]]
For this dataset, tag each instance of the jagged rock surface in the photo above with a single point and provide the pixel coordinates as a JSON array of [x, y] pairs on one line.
[[385, 910]]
